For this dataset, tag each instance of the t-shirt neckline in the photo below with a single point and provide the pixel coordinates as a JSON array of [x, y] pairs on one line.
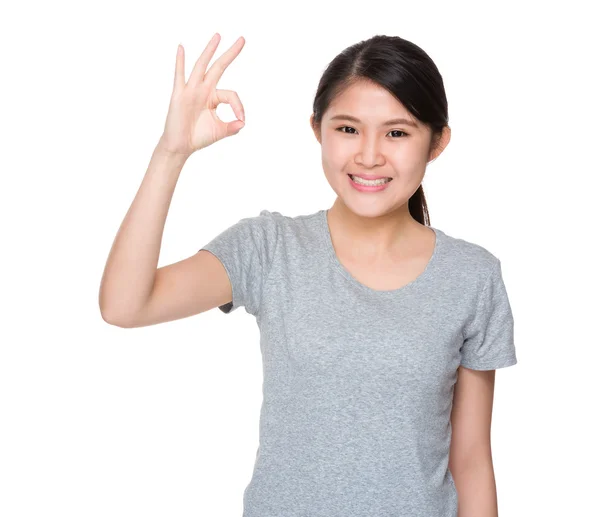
[[423, 276]]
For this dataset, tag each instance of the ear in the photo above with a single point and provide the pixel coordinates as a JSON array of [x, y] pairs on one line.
[[316, 130], [442, 142]]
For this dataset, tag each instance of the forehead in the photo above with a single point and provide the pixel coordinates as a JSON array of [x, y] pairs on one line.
[[370, 103]]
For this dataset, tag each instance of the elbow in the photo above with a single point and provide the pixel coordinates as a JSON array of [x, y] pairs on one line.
[[114, 320]]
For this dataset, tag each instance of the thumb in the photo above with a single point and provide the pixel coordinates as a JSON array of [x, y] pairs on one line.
[[234, 127]]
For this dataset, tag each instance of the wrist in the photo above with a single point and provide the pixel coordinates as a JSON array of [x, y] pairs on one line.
[[166, 152]]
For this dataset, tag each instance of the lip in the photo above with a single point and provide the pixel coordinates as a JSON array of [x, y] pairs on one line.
[[367, 177], [367, 188]]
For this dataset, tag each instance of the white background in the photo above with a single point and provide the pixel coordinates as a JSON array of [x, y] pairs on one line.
[[98, 420]]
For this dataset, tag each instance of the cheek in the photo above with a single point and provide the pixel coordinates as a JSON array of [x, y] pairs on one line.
[[408, 158], [334, 157]]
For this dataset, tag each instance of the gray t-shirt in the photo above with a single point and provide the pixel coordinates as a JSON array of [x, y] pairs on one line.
[[358, 383]]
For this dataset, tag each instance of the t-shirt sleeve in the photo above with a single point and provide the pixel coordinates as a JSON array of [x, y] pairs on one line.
[[246, 249], [489, 336]]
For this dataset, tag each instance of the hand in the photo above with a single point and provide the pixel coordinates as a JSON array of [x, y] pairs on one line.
[[192, 121]]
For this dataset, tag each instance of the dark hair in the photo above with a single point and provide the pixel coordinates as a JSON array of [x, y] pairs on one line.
[[407, 72]]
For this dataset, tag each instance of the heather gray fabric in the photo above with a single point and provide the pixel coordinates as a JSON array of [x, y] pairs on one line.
[[358, 383]]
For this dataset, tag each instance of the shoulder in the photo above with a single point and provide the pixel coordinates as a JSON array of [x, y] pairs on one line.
[[248, 235], [469, 261], [264, 225], [271, 226], [290, 227]]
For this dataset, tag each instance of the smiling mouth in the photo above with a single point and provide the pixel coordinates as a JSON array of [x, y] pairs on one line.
[[361, 181]]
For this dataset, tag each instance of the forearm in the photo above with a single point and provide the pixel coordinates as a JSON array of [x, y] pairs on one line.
[[476, 487], [133, 259]]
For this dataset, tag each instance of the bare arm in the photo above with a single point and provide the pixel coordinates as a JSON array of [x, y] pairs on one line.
[[471, 461], [132, 291], [132, 262]]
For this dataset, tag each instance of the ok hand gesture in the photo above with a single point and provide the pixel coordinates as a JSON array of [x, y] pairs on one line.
[[192, 121]]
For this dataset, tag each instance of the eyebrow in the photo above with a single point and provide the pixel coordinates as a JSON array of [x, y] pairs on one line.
[[388, 123]]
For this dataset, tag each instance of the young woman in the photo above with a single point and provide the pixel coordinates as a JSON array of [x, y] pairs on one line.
[[380, 334]]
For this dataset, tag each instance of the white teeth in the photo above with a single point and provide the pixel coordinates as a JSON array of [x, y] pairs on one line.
[[372, 183]]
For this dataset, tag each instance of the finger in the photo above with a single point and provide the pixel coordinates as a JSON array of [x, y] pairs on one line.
[[197, 74], [234, 127], [232, 98], [218, 67], [179, 81]]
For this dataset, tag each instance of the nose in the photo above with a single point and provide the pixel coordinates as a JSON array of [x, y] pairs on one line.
[[369, 154]]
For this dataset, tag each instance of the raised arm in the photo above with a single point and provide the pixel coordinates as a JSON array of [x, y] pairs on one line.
[[133, 292]]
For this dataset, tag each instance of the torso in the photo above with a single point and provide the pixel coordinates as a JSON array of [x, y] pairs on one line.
[[358, 378]]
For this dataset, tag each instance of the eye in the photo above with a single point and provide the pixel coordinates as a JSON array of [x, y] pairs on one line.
[[344, 127], [348, 127]]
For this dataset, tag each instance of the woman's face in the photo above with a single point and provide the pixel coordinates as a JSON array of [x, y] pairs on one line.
[[382, 139]]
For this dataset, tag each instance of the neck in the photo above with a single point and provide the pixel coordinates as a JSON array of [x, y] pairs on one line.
[[375, 236]]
